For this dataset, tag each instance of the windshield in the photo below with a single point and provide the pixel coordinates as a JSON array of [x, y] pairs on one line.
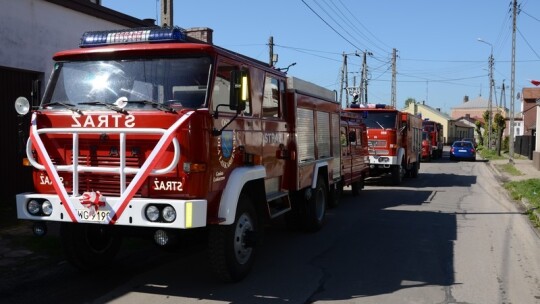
[[380, 120], [180, 82]]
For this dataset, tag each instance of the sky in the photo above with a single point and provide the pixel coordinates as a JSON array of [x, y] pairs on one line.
[[439, 56]]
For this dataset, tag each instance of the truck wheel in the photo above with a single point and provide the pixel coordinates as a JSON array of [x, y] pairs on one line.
[[414, 170], [336, 195], [89, 246], [315, 208], [232, 248], [397, 178], [356, 187]]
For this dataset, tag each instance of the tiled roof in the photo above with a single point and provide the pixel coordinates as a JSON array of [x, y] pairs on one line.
[[477, 103]]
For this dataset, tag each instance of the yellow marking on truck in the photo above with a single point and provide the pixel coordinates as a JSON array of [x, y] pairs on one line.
[[189, 214]]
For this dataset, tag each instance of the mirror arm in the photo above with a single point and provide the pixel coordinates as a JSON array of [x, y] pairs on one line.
[[216, 132]]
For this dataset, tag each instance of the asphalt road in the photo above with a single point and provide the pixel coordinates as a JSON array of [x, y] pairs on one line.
[[449, 236]]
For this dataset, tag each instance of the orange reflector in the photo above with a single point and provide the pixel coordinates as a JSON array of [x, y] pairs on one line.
[[257, 159], [197, 167], [26, 162]]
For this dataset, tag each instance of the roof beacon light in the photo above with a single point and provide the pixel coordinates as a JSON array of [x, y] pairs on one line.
[[156, 34]]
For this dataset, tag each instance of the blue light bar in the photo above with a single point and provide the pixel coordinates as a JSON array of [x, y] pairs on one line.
[[97, 38]]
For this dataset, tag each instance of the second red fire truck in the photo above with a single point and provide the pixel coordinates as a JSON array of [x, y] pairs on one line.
[[435, 134], [395, 141]]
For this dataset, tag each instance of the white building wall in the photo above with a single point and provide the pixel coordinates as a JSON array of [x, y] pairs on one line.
[[31, 31]]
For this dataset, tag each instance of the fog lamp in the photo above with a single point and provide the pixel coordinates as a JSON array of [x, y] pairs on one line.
[[161, 237]]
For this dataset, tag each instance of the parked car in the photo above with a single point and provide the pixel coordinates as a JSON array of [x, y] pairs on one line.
[[462, 150], [471, 140]]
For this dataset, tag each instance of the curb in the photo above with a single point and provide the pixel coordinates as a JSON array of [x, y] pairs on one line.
[[529, 208], [523, 201]]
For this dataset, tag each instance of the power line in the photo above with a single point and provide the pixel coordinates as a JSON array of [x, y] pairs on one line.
[[333, 29]]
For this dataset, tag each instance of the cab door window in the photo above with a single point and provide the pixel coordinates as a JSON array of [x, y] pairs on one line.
[[221, 92], [272, 98]]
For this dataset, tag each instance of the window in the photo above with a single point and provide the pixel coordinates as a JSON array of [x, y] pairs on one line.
[[222, 89], [272, 98], [343, 137], [91, 84]]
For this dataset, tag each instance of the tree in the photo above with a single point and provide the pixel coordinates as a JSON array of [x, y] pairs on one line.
[[485, 116], [409, 101], [500, 125], [478, 130]]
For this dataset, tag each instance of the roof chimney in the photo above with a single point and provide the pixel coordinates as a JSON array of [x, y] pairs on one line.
[[203, 34], [465, 99], [438, 109]]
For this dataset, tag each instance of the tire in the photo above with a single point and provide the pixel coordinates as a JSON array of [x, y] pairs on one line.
[[232, 248], [414, 170], [315, 208], [89, 247], [356, 187], [337, 193], [397, 178]]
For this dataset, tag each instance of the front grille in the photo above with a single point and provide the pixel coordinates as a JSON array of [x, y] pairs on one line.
[[377, 143], [107, 184]]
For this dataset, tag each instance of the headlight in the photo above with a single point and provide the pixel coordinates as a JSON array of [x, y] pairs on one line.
[[34, 207], [47, 208], [169, 214], [152, 213]]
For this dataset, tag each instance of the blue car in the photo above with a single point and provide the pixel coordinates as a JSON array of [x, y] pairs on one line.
[[462, 150]]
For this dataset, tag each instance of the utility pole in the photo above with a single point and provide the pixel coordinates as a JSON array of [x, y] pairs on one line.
[[364, 82], [512, 85], [393, 98], [271, 51], [503, 96], [167, 13], [343, 75], [490, 101]]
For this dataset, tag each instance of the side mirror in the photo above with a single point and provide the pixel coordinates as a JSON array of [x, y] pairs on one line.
[[22, 106], [239, 90]]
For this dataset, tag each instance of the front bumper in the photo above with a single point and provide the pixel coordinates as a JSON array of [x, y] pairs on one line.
[[189, 213]]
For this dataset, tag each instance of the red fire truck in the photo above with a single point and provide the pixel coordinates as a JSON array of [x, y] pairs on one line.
[[426, 147], [153, 131], [435, 133], [354, 152], [395, 141]]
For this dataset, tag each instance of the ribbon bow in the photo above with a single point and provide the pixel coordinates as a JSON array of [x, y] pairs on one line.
[[92, 199]]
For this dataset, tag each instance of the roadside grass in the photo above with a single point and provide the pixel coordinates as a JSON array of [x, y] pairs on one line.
[[489, 154], [510, 169], [529, 190]]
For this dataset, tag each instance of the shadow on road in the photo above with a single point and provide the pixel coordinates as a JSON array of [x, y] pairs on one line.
[[372, 244]]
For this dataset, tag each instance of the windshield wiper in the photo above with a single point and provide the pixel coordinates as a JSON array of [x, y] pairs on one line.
[[156, 105], [68, 106], [108, 105]]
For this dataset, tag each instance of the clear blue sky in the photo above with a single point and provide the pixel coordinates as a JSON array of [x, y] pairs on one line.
[[439, 60]]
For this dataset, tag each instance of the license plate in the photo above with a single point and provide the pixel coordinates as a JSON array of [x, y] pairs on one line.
[[96, 216], [462, 150]]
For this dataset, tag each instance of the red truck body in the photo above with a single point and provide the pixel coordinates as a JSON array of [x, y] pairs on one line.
[[395, 140], [435, 133], [354, 151], [166, 135], [426, 147]]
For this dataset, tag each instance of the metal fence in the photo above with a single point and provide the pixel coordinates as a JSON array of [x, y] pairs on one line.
[[525, 145]]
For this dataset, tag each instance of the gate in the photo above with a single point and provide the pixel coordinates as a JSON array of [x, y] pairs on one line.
[[17, 178]]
